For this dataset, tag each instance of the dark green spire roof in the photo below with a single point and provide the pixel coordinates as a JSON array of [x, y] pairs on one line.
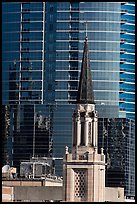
[[85, 90]]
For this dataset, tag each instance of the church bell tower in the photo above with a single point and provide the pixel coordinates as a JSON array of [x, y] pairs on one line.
[[84, 168]]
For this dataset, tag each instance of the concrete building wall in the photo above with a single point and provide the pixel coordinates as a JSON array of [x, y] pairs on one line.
[[37, 193], [115, 194]]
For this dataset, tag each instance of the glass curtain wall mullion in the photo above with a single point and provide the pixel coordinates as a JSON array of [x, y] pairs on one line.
[[20, 54], [43, 53]]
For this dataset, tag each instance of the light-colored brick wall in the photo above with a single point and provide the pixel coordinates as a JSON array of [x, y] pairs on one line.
[[7, 194], [7, 190]]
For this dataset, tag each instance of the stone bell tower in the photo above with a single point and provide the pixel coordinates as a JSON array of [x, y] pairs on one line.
[[84, 168]]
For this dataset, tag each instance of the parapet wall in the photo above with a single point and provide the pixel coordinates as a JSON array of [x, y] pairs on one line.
[[38, 193]]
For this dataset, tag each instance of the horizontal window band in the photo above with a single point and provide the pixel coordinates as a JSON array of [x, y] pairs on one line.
[[24, 51], [22, 70], [107, 71], [91, 31], [18, 12], [22, 90], [115, 91], [96, 11], [21, 21], [96, 61], [124, 21], [18, 80], [103, 51]]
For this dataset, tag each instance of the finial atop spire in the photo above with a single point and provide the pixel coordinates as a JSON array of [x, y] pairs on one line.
[[86, 31], [14, 62]]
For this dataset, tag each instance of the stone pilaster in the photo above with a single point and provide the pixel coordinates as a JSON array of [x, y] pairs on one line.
[[90, 191], [86, 130], [94, 129], [70, 185], [78, 132]]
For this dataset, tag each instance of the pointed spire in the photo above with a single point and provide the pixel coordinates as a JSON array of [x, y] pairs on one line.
[[85, 90]]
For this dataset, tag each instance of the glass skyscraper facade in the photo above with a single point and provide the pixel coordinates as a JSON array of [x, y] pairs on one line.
[[42, 46], [117, 137]]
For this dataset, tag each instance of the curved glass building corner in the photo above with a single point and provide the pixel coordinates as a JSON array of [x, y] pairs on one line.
[[127, 65]]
